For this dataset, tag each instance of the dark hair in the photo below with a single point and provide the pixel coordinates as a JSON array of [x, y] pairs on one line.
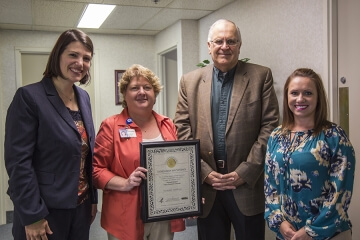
[[137, 70], [67, 37], [321, 112]]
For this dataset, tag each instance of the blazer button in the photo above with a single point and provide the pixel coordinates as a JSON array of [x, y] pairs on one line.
[[210, 153]]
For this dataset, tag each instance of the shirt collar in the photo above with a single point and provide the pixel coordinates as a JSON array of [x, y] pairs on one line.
[[227, 75]]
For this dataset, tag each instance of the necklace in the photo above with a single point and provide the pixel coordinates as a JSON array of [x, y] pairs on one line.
[[70, 99], [60, 92]]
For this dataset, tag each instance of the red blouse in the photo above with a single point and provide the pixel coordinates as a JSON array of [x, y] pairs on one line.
[[115, 156]]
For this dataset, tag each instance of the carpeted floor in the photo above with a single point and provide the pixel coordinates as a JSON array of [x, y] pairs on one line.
[[97, 233]]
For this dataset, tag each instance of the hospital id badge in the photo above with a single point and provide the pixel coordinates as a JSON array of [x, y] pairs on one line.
[[127, 133]]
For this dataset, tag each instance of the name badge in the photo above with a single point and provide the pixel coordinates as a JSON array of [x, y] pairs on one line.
[[127, 133]]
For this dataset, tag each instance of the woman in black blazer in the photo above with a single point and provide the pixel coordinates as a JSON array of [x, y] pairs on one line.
[[49, 141]]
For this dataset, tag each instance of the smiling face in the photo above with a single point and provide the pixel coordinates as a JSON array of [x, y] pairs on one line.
[[302, 99], [75, 61], [139, 94], [225, 56]]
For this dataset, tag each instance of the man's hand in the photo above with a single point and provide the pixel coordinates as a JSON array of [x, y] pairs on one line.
[[223, 182], [38, 230], [237, 180]]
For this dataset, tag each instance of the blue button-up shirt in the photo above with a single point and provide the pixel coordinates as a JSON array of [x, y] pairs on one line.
[[222, 84]]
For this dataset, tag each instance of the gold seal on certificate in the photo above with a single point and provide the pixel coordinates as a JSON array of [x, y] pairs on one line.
[[172, 185], [171, 162]]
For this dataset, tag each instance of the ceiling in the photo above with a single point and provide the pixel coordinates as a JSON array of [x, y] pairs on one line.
[[135, 17]]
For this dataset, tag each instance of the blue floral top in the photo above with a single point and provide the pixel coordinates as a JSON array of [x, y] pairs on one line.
[[309, 181]]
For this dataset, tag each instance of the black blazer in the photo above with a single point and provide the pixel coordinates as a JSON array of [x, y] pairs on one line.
[[43, 151]]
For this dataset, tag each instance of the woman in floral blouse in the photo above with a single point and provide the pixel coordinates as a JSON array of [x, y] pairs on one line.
[[309, 166]]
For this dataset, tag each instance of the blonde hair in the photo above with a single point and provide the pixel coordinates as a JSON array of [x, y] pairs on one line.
[[138, 70]]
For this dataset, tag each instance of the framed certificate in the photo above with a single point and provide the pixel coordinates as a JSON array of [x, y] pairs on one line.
[[172, 186]]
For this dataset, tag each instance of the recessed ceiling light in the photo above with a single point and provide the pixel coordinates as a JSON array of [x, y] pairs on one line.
[[94, 15]]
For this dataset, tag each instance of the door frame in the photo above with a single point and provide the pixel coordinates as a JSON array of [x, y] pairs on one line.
[[18, 78], [162, 104], [331, 58], [18, 67], [94, 79]]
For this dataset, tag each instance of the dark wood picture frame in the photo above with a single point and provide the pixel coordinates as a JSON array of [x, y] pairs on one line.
[[172, 188], [118, 75]]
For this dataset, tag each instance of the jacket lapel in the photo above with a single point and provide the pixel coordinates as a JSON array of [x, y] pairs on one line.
[[240, 84], [205, 98], [57, 102], [85, 111]]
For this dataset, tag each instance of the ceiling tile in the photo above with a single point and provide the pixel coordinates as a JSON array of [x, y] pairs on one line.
[[16, 11], [166, 18], [51, 13], [140, 3], [15, 26], [78, 1], [199, 4], [128, 17], [49, 28], [146, 32], [109, 31]]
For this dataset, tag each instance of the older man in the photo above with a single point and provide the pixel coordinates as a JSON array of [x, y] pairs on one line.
[[232, 108]]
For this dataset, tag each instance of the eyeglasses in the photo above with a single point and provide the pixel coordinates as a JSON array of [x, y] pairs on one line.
[[229, 42]]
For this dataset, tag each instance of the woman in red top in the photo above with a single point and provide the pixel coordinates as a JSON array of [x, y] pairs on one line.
[[117, 168]]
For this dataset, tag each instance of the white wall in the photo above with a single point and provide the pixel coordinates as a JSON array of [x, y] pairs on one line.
[[167, 40], [8, 41], [184, 35], [170, 84], [111, 51], [280, 34], [349, 51], [118, 52], [288, 34], [190, 47]]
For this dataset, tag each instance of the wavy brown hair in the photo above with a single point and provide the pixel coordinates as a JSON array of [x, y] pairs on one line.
[[321, 112], [53, 65]]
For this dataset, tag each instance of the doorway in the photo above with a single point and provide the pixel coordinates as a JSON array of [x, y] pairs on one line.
[[30, 65], [168, 77]]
